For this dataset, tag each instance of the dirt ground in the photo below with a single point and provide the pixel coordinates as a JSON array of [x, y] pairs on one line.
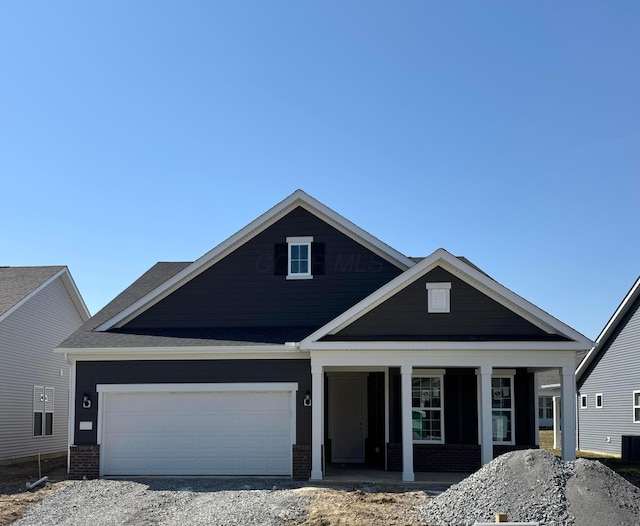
[[15, 500], [331, 507], [328, 506]]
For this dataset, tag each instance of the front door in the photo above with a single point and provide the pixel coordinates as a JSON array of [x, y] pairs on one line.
[[347, 426]]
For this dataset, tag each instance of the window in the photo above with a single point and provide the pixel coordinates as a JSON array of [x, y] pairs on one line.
[[299, 257], [583, 401], [599, 401], [636, 407], [43, 403], [426, 409], [545, 407], [438, 297], [502, 404]]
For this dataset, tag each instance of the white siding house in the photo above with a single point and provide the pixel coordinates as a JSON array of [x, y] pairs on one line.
[[39, 307]]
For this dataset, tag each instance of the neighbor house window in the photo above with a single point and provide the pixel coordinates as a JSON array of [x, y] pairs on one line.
[[438, 297], [502, 409], [426, 409], [583, 401], [43, 403], [636, 407], [599, 400], [299, 257], [545, 407]]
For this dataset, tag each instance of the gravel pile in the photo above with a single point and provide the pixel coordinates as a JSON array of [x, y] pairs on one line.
[[534, 485], [160, 502]]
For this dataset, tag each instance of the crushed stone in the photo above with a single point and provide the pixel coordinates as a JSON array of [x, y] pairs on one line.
[[536, 486]]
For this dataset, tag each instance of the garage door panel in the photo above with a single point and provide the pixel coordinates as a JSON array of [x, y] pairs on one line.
[[224, 433]]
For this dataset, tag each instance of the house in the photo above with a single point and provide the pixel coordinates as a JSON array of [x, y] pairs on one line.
[[39, 307], [608, 381], [303, 342]]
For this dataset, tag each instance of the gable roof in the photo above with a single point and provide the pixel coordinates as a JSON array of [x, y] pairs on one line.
[[471, 275], [296, 199], [19, 284], [609, 329]]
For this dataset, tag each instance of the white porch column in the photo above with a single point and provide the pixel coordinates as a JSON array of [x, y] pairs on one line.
[[317, 412], [407, 425], [556, 422], [486, 415], [568, 417]]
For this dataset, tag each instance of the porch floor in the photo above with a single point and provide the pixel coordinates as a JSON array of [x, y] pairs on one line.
[[363, 475]]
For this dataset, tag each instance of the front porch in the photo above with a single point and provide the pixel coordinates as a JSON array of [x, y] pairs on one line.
[[378, 415]]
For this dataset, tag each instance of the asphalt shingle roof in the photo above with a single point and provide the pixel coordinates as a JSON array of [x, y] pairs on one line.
[[16, 283]]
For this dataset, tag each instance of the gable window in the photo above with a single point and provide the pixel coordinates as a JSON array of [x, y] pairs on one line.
[[583, 401], [299, 257], [636, 407], [43, 404], [502, 409], [438, 297], [426, 409], [599, 400]]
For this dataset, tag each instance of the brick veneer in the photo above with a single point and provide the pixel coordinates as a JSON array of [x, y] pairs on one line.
[[84, 462], [463, 458], [301, 462]]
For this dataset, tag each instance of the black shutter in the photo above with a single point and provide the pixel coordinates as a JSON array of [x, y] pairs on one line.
[[280, 259], [317, 259]]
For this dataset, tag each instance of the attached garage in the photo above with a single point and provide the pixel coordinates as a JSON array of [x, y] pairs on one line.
[[196, 429]]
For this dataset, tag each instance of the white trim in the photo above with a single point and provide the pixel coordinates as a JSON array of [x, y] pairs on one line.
[[511, 409], [600, 398], [471, 276], [608, 329], [432, 304], [258, 225], [71, 428], [441, 408], [635, 406], [69, 286], [239, 352], [196, 387], [299, 241], [386, 416], [307, 345], [584, 401]]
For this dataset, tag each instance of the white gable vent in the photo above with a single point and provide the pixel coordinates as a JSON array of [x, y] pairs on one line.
[[438, 297]]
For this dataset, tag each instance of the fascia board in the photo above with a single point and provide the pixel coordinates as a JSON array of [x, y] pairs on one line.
[[297, 198], [609, 328], [442, 346], [75, 295], [35, 291], [467, 273]]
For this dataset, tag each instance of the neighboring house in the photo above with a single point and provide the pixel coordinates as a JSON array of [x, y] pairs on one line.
[[39, 307], [302, 342], [548, 383], [608, 381]]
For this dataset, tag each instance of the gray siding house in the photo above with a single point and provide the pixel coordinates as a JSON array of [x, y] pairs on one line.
[[302, 343], [608, 381], [39, 307]]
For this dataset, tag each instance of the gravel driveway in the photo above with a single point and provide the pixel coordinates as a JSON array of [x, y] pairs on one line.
[[170, 502]]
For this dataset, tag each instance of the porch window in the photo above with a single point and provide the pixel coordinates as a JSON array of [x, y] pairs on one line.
[[426, 409], [636, 407], [545, 407], [502, 409]]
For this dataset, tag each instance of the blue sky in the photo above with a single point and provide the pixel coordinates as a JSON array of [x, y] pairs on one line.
[[507, 132]]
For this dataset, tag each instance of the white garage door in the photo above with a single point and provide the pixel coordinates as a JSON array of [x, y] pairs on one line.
[[197, 433]]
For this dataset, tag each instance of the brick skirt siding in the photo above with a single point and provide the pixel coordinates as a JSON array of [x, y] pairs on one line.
[[463, 458], [301, 462], [84, 461]]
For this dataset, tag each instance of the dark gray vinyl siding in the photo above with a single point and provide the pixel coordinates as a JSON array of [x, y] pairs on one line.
[[90, 374], [242, 289], [616, 374], [473, 316]]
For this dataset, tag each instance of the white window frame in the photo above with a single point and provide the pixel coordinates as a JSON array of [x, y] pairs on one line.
[[43, 405], [438, 297], [599, 400], [584, 401], [636, 407], [545, 403], [511, 409], [430, 374], [297, 242]]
